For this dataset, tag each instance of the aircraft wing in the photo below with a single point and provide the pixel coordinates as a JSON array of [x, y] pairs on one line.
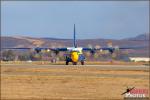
[[18, 48], [131, 47], [38, 48], [58, 49], [89, 49], [110, 48]]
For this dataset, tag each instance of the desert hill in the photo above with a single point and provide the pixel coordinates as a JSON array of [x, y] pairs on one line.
[[140, 40]]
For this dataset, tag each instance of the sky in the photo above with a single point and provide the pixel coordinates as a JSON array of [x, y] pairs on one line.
[[93, 19]]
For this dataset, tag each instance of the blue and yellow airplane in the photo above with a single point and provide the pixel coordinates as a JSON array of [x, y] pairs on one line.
[[75, 54]]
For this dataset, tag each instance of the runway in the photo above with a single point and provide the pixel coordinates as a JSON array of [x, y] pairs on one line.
[[62, 70], [100, 67]]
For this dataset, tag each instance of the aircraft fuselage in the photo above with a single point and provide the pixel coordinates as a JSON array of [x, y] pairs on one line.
[[75, 55]]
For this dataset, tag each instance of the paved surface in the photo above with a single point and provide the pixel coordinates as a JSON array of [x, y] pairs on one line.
[[101, 67], [88, 68]]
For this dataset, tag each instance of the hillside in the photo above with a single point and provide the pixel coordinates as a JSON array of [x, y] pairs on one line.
[[141, 37], [140, 40]]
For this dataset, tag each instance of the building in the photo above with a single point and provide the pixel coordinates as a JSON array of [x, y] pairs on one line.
[[139, 59]]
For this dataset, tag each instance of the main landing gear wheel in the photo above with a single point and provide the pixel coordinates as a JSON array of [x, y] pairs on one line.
[[82, 62], [67, 63]]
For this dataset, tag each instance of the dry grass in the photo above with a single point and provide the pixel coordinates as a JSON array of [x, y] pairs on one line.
[[67, 83]]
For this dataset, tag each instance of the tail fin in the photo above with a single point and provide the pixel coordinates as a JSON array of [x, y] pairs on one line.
[[74, 38]]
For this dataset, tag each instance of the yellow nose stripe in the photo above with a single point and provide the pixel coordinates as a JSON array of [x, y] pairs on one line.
[[74, 56]]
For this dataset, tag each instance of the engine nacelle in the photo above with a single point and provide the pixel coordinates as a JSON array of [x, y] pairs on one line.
[[92, 52], [38, 50], [56, 52], [111, 50]]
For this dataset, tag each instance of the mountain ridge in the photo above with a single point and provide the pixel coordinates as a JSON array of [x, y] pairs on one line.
[[140, 40]]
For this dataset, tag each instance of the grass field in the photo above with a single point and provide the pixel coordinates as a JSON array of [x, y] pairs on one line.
[[37, 82]]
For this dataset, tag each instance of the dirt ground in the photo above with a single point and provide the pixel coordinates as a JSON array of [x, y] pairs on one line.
[[37, 82]]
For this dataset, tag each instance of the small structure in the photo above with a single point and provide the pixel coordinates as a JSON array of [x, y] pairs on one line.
[[139, 59]]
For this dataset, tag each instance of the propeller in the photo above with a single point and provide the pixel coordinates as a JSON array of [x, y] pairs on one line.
[[56, 52], [92, 51], [112, 48], [37, 43]]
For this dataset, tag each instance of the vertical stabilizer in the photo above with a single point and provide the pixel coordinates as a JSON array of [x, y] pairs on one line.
[[74, 37]]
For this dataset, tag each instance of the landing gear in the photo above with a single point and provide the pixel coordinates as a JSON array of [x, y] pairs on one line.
[[67, 62], [82, 62], [74, 63]]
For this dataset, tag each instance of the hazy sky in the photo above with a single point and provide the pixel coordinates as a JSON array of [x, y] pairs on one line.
[[93, 19]]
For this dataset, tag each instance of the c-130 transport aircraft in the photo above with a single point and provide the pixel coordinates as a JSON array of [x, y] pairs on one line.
[[75, 53]]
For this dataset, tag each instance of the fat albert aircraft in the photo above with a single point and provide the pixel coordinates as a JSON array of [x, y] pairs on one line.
[[75, 53]]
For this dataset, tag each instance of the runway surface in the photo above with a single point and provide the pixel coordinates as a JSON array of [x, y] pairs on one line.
[[100, 67], [73, 68]]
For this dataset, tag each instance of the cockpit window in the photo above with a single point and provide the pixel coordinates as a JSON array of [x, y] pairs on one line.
[[76, 51]]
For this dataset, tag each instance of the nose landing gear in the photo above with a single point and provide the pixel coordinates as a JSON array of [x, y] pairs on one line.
[[74, 63]]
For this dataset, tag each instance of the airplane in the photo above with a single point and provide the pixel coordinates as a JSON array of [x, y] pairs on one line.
[[75, 53], [127, 90]]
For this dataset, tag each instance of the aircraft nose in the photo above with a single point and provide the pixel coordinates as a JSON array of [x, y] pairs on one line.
[[74, 56]]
